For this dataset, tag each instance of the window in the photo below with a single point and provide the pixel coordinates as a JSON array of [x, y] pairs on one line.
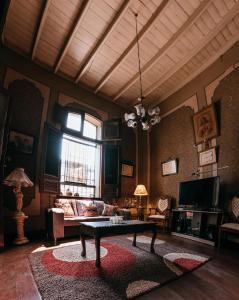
[[81, 156]]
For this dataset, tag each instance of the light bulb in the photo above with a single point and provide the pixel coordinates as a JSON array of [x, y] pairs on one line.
[[156, 119], [132, 123], [140, 110], [128, 117], [145, 125], [154, 111]]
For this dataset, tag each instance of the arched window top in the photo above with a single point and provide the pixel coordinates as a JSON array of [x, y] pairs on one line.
[[83, 124]]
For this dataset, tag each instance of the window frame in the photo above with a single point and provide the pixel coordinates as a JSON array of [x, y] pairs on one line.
[[76, 133], [80, 135]]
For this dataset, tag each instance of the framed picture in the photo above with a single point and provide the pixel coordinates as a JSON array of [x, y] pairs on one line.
[[205, 124], [127, 169], [170, 167], [207, 157], [21, 142]]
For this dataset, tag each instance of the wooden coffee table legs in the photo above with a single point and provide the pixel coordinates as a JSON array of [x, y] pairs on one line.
[[154, 231], [83, 252], [97, 249], [153, 240], [97, 245], [134, 240]]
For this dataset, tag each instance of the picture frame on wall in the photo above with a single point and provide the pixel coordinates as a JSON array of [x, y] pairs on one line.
[[169, 167], [207, 157], [127, 169], [205, 124], [21, 142]]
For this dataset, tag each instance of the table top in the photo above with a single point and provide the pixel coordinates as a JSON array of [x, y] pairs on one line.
[[107, 224]]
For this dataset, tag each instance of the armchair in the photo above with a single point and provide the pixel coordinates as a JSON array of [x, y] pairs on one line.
[[232, 221], [162, 213]]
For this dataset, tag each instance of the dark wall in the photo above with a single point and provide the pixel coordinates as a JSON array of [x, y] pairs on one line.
[[128, 154], [172, 138], [227, 95], [28, 112]]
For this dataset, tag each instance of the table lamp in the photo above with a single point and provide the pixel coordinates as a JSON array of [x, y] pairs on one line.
[[17, 179], [140, 191]]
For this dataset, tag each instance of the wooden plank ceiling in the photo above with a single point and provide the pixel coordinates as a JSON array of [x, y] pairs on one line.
[[92, 42]]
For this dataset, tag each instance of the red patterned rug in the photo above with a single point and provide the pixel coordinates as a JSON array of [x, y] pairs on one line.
[[126, 271]]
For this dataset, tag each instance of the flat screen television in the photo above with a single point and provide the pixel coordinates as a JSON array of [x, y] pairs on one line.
[[201, 194]]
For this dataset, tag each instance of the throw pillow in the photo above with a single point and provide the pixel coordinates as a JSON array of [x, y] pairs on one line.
[[109, 210], [80, 205], [100, 206], [68, 211], [90, 211]]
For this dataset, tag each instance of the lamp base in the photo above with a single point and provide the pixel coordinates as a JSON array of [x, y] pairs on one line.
[[20, 239]]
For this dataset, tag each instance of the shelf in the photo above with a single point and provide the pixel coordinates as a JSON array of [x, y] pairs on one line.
[[193, 238], [197, 225], [197, 210]]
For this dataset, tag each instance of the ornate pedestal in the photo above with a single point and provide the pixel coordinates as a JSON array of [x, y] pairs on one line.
[[20, 239]]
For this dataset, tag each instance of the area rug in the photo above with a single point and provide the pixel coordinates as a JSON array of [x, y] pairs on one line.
[[125, 273]]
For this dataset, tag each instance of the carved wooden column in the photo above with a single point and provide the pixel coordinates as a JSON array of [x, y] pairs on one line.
[[20, 239]]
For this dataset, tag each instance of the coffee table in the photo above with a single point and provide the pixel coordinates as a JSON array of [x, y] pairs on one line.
[[106, 228]]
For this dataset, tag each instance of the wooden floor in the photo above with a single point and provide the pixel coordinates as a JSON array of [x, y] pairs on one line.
[[218, 279]]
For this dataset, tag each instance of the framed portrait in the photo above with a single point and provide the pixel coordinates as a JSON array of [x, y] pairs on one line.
[[21, 142], [205, 124], [169, 167], [127, 169], [207, 157]]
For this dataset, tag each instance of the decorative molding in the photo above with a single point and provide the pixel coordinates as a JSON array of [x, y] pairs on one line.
[[34, 208], [191, 102], [209, 91], [66, 100]]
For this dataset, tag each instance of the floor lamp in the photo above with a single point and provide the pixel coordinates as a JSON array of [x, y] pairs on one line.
[[18, 179]]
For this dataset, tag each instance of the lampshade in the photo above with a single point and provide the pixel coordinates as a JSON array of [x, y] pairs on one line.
[[140, 190], [18, 178]]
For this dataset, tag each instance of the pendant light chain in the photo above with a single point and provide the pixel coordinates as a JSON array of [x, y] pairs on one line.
[[147, 118], [139, 63]]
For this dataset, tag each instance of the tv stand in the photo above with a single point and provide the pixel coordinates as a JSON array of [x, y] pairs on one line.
[[196, 224]]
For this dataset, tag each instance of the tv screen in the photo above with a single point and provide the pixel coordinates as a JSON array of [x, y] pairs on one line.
[[201, 193]]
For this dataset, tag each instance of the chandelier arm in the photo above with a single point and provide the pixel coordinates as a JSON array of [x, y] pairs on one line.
[[139, 63]]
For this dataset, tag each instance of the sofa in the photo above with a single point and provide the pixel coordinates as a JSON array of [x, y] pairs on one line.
[[64, 218]]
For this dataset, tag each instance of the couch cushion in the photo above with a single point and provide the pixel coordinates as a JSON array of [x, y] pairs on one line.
[[70, 201], [156, 217], [100, 206], [233, 226], [109, 210], [73, 204], [68, 211], [80, 205], [90, 211], [75, 221]]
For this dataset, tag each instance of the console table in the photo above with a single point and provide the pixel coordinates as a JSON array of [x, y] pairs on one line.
[[196, 224], [106, 228]]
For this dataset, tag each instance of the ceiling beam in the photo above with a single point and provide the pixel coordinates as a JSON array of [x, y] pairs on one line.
[[78, 20], [102, 40], [40, 26], [196, 14], [196, 50], [192, 76], [3, 15], [131, 46]]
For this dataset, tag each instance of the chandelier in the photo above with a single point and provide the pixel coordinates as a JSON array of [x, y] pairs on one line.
[[146, 118]]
